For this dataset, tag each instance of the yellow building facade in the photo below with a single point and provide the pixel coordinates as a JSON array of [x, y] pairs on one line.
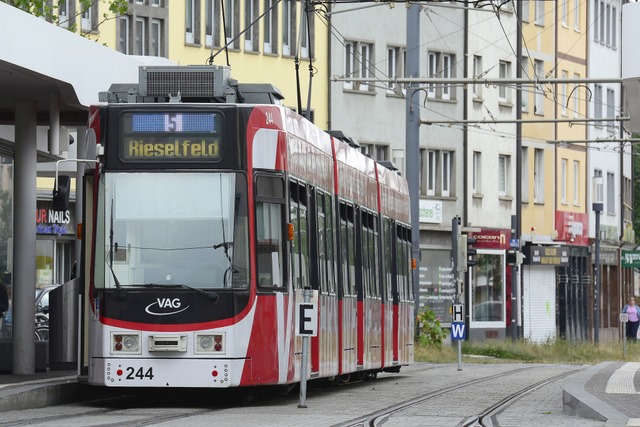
[[259, 39], [571, 157], [538, 181]]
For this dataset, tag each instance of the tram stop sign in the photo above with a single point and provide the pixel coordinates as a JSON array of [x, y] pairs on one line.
[[307, 321]]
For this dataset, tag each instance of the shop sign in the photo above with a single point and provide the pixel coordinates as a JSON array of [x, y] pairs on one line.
[[492, 239], [631, 259], [52, 222], [430, 211], [608, 256], [572, 227], [546, 255]]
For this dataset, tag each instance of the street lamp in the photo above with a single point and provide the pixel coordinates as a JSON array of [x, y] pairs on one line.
[[598, 204]]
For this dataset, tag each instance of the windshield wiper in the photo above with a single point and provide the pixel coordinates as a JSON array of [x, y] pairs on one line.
[[213, 296], [110, 263]]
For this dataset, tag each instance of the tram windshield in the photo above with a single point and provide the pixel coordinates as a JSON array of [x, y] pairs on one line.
[[172, 229]]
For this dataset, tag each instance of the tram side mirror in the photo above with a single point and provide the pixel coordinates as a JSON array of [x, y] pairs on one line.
[[61, 193]]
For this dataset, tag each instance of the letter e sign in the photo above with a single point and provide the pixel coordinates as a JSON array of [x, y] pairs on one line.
[[307, 324]]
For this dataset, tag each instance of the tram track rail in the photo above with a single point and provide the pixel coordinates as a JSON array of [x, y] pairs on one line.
[[483, 419], [487, 417]]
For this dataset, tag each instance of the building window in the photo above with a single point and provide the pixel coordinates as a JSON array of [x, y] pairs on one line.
[[446, 173], [563, 93], [156, 38], [576, 97], [539, 12], [86, 22], [349, 61], [611, 193], [576, 15], [432, 73], [394, 67], [477, 173], [436, 172], [611, 108], [63, 13], [446, 74], [602, 19], [576, 183], [190, 21], [140, 39], [288, 27], [143, 31], [211, 24], [251, 12], [564, 12], [597, 104], [358, 64], [563, 181], [232, 23], [304, 36], [503, 174], [538, 176], [524, 63], [524, 180], [504, 93], [270, 22], [365, 59], [525, 10], [538, 102], [477, 72], [441, 65], [614, 30], [431, 171], [123, 34], [376, 152]]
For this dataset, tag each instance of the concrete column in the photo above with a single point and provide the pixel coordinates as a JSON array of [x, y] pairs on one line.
[[24, 239]]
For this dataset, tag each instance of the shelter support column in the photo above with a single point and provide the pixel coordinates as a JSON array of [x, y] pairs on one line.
[[24, 238]]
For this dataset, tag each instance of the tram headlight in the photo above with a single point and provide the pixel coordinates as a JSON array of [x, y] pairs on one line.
[[210, 343], [125, 343]]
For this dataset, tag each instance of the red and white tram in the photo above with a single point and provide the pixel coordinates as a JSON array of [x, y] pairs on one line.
[[203, 223]]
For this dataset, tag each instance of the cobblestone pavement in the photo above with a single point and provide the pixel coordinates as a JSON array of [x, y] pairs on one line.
[[341, 405]]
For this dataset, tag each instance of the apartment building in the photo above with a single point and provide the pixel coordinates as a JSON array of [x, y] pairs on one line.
[[259, 39], [371, 43], [609, 162]]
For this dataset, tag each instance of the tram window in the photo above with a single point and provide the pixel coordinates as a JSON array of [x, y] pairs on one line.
[[387, 239], [347, 250], [322, 250], [401, 265], [269, 231], [370, 254], [329, 236], [299, 244]]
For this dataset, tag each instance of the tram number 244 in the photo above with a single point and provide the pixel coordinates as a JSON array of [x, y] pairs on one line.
[[139, 374]]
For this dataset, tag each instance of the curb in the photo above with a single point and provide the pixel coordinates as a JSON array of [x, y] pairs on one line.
[[576, 401]]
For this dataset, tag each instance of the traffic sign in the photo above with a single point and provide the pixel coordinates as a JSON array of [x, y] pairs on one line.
[[514, 243], [307, 324], [457, 313], [624, 317], [457, 331]]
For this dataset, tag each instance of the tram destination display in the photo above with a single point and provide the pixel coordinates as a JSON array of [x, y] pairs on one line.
[[170, 136]]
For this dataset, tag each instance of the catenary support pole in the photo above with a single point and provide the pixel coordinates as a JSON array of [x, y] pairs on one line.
[[413, 137]]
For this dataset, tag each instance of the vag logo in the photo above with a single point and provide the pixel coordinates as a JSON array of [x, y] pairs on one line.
[[165, 307]]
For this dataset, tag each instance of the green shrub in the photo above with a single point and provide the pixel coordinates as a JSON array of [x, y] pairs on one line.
[[430, 331]]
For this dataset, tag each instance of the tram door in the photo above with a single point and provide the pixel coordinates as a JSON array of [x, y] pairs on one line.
[[348, 305]]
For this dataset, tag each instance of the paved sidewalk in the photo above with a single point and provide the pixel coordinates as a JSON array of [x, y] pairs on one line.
[[608, 392]]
